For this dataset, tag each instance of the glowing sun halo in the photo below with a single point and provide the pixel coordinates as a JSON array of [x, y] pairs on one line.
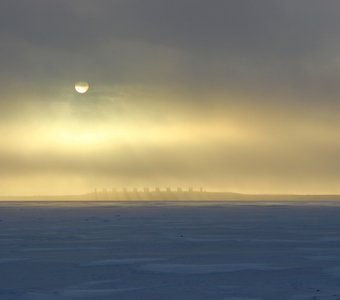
[[82, 87]]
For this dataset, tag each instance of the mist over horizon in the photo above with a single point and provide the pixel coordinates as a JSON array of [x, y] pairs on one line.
[[234, 96]]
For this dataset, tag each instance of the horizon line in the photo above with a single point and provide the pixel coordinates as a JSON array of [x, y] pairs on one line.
[[169, 195]]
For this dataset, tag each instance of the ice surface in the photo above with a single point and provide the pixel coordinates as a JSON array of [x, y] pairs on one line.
[[169, 251], [202, 269], [121, 261], [239, 298]]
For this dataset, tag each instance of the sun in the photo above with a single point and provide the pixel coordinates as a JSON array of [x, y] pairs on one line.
[[82, 87]]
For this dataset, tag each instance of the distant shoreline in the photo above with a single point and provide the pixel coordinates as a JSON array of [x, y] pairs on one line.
[[172, 197]]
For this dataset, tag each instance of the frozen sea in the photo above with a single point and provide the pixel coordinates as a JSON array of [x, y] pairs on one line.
[[164, 250]]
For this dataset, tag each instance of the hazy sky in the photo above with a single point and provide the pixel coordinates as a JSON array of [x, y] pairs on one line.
[[234, 95]]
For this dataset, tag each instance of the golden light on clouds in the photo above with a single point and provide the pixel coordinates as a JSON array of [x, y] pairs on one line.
[[218, 104], [132, 136]]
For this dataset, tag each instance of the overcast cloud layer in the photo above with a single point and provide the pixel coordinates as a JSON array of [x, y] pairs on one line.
[[236, 95]]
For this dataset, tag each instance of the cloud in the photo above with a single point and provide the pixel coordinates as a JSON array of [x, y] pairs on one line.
[[232, 40], [238, 95]]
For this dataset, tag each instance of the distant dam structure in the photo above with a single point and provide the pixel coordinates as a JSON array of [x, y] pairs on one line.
[[172, 194], [148, 193]]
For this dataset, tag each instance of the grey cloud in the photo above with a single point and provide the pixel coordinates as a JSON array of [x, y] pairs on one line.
[[271, 39]]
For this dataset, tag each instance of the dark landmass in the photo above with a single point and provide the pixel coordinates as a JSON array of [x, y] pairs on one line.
[[171, 196]]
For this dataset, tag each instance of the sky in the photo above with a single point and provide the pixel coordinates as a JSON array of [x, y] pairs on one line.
[[230, 95]]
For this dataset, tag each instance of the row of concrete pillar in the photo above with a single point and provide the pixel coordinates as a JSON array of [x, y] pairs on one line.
[[149, 190]]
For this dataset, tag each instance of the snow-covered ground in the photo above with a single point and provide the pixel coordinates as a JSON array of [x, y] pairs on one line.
[[161, 251]]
